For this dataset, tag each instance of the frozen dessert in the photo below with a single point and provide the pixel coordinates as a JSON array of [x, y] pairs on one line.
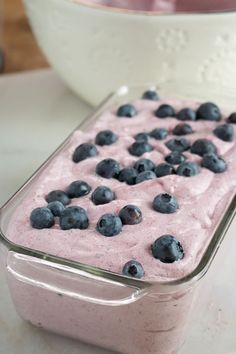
[[169, 5], [145, 186], [139, 194]]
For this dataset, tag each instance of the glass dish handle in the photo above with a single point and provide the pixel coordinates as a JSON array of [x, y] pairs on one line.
[[67, 281]]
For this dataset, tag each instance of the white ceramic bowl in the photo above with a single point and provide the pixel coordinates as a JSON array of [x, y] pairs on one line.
[[96, 50]]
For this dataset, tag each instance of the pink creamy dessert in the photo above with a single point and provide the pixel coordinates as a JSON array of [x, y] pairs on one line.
[[202, 198], [203, 5], [169, 5], [138, 5], [156, 320]]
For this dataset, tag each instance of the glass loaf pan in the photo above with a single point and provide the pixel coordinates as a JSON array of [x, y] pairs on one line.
[[97, 306]]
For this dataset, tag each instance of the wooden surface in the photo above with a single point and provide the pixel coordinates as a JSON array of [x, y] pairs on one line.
[[20, 48]]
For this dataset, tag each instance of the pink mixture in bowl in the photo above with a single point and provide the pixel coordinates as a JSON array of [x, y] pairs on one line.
[[169, 5]]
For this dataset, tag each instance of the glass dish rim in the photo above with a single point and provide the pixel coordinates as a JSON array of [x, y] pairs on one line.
[[121, 11], [198, 272]]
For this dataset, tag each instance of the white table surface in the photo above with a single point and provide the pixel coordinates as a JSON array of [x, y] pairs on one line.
[[36, 113]]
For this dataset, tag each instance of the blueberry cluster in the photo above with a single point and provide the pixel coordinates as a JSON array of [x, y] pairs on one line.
[[69, 217], [88, 150], [208, 151], [110, 168], [145, 169], [166, 249], [75, 217], [205, 148], [142, 145], [111, 224], [206, 111]]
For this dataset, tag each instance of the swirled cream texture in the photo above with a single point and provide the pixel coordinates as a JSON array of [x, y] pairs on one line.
[[202, 198]]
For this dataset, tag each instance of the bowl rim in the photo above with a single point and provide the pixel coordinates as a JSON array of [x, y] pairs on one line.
[[116, 10]]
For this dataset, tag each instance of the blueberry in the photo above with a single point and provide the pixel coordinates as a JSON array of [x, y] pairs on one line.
[[159, 133], [182, 129], [141, 137], [214, 163], [133, 269], [84, 151], [74, 217], [164, 111], [224, 132], [127, 110], [232, 118], [130, 215], [165, 203], [41, 218], [59, 196], [164, 169], [203, 146], [188, 169], [175, 158], [209, 111], [186, 114], [56, 208], [109, 225], [167, 249], [142, 165], [139, 148], [128, 175], [78, 189], [150, 95], [102, 195], [145, 176], [178, 144], [106, 137], [108, 168]]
